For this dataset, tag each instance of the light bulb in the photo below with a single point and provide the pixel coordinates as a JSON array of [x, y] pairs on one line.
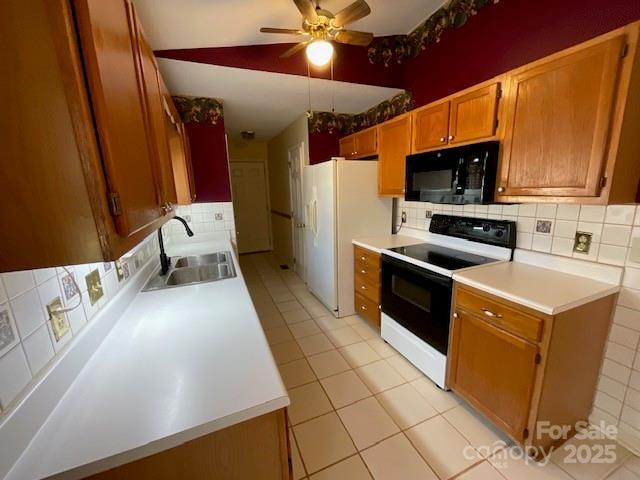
[[319, 52]]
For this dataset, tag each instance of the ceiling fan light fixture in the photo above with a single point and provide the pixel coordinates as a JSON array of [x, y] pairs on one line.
[[319, 52]]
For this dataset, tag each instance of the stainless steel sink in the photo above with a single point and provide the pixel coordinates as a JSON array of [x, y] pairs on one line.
[[191, 270], [207, 259]]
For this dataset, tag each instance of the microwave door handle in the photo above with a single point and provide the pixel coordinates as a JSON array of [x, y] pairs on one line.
[[461, 175]]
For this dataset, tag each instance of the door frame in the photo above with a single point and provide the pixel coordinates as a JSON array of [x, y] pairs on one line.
[[300, 148]]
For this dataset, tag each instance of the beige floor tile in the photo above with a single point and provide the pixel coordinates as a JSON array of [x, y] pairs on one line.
[[382, 348], [509, 462], [317, 311], [366, 331], [483, 471], [272, 321], [330, 322], [328, 363], [480, 433], [312, 302], [359, 354], [367, 422], [283, 296], [307, 402], [286, 352], [406, 406], [267, 310], [296, 373], [379, 376], [345, 388], [405, 368], [633, 464], [296, 461], [438, 398], [396, 459], [278, 335], [623, 473], [288, 306], [353, 319], [315, 344], [341, 337], [565, 457], [442, 446], [304, 329], [295, 316], [323, 441], [352, 468]]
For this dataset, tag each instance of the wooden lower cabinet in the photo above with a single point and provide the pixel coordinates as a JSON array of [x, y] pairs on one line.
[[256, 448], [367, 284], [520, 367]]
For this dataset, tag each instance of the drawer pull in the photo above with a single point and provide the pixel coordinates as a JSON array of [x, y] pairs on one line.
[[363, 287], [363, 271], [362, 307], [455, 315], [489, 313], [363, 258]]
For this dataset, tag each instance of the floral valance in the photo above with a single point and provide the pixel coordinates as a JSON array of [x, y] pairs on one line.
[[347, 124], [453, 15], [199, 109]]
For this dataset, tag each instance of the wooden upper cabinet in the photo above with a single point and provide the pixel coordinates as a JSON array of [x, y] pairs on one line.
[[430, 126], [394, 144], [347, 146], [558, 122], [494, 370], [473, 115], [113, 70]]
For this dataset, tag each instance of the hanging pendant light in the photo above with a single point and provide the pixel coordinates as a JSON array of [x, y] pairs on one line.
[[319, 52]]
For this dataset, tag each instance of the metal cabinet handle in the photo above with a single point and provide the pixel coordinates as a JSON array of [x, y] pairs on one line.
[[443, 139], [363, 287], [362, 307], [489, 313], [451, 137], [363, 271], [363, 258], [166, 207], [500, 189], [455, 314]]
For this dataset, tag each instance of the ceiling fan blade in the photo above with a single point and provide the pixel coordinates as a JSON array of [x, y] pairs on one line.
[[307, 9], [351, 37], [353, 12], [295, 49], [288, 31]]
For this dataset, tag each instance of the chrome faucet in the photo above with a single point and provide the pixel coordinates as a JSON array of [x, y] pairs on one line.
[[165, 261]]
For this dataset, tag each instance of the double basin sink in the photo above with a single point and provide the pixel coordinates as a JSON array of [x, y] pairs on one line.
[[194, 269]]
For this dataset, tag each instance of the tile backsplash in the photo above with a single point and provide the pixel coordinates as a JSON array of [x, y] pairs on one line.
[[552, 228], [28, 341], [205, 217]]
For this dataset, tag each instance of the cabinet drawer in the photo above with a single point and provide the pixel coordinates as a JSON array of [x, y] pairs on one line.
[[367, 309], [508, 318], [366, 259], [367, 274], [365, 286]]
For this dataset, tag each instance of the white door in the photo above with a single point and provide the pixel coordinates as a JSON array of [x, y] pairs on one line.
[[250, 206], [296, 163]]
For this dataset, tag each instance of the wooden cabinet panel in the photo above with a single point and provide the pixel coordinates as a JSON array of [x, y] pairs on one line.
[[347, 146], [473, 115], [108, 38], [367, 287], [366, 143], [494, 370], [430, 127], [558, 121], [394, 144], [366, 264], [367, 309], [366, 259]]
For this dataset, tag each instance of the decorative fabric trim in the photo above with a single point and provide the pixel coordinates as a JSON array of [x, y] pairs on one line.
[[453, 15], [199, 109], [347, 124]]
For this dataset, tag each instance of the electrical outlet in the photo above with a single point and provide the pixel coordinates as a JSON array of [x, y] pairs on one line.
[[94, 286], [59, 321], [403, 218], [582, 242], [119, 270], [428, 214], [219, 216]]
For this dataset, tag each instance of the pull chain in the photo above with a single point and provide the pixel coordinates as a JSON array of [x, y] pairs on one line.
[[309, 84], [333, 90]]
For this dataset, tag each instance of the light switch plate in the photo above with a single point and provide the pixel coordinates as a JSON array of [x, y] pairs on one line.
[[94, 286], [119, 270], [582, 242], [59, 322], [634, 253]]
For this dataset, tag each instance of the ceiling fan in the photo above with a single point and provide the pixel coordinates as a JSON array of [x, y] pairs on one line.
[[321, 26]]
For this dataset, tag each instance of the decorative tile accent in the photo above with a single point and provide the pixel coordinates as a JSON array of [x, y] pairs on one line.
[[69, 286], [8, 334], [543, 226]]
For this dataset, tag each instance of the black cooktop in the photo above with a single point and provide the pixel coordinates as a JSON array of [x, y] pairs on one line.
[[443, 257]]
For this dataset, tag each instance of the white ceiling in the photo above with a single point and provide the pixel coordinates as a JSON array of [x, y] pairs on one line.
[[172, 24], [266, 102]]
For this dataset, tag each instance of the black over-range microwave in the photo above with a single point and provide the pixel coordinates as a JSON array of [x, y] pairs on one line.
[[456, 175]]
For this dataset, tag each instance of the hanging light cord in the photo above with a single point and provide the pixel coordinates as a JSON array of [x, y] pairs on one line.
[[333, 90], [309, 85]]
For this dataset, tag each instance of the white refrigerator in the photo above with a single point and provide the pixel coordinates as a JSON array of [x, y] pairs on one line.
[[341, 203]]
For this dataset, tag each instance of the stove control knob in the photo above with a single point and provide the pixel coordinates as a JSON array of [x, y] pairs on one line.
[[486, 227], [499, 233]]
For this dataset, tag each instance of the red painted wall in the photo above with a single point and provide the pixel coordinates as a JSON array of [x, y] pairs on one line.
[[210, 161], [323, 146], [507, 35]]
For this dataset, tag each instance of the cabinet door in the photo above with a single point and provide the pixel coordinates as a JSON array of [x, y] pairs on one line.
[[430, 127], [558, 119], [493, 370], [156, 120], [187, 154], [108, 38], [348, 146], [474, 114], [366, 143], [394, 144]]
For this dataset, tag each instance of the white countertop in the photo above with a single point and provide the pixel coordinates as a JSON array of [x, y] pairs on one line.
[[180, 363], [543, 289], [382, 242]]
